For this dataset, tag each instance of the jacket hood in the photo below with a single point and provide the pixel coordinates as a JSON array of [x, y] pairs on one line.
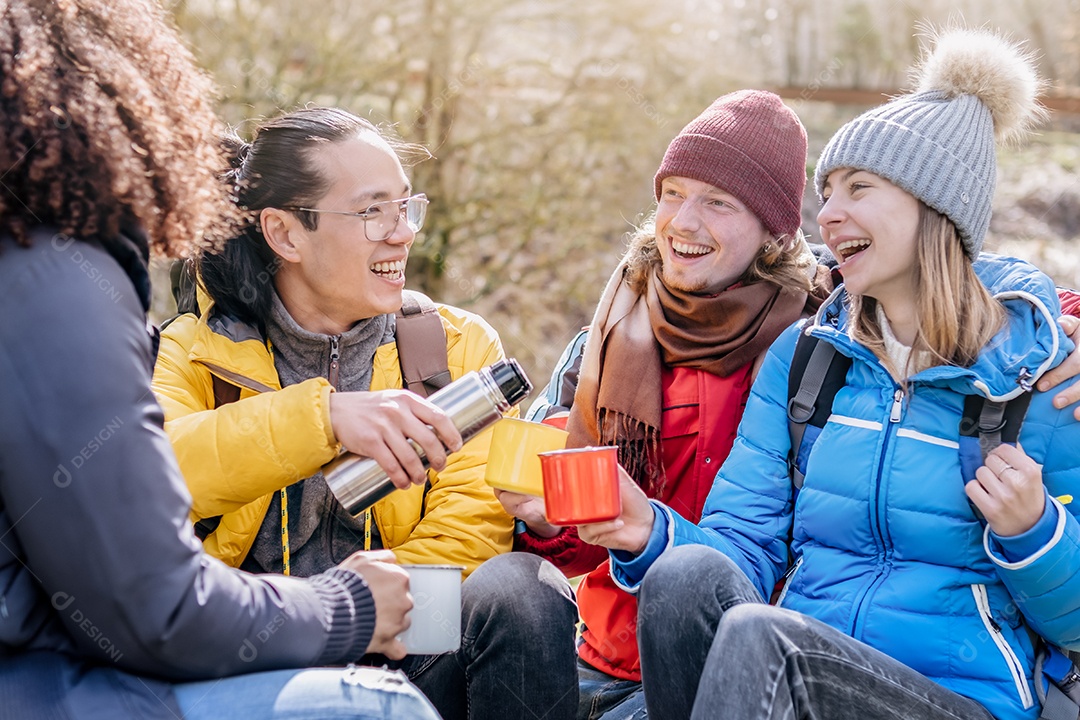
[[1030, 343]]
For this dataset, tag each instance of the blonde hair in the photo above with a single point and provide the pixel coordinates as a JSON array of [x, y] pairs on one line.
[[785, 261], [956, 315]]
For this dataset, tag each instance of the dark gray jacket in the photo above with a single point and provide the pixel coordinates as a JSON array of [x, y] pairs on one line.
[[105, 594]]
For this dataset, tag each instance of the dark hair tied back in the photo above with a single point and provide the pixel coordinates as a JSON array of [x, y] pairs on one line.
[[274, 170]]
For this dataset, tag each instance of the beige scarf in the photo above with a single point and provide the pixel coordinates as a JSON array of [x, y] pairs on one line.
[[634, 335]]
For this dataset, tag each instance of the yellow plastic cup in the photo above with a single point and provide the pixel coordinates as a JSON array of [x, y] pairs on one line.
[[512, 460]]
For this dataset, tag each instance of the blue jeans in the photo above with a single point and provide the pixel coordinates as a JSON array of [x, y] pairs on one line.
[[516, 660], [605, 697], [355, 692], [726, 654]]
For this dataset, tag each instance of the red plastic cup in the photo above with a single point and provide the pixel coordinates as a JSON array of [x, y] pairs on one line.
[[581, 485]]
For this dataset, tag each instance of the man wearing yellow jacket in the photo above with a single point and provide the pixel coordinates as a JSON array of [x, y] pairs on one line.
[[237, 457], [294, 357]]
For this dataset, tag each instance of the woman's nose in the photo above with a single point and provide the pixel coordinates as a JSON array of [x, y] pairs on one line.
[[831, 212]]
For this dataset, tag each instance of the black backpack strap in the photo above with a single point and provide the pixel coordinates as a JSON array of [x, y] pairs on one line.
[[421, 344], [206, 526], [991, 423], [184, 286], [183, 282], [985, 425], [817, 373]]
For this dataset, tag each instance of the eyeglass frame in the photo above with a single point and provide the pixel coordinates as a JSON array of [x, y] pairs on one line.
[[402, 210]]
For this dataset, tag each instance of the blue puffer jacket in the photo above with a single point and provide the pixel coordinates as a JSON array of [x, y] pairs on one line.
[[884, 542]]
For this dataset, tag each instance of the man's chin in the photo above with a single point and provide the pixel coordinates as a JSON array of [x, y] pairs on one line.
[[683, 284]]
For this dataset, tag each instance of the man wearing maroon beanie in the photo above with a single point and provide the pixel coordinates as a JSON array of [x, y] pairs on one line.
[[708, 282]]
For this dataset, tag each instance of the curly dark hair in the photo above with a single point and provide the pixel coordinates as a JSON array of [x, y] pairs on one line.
[[104, 119]]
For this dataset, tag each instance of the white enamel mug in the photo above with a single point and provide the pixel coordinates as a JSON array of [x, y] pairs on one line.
[[436, 613]]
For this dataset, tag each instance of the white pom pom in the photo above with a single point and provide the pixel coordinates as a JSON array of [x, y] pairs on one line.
[[1001, 74]]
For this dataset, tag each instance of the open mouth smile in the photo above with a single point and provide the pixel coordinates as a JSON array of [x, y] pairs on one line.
[[850, 248], [389, 270], [689, 250]]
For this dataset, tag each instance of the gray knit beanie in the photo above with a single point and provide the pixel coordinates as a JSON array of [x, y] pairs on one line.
[[938, 143]]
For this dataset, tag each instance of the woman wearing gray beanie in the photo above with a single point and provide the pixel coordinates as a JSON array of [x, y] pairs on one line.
[[923, 569]]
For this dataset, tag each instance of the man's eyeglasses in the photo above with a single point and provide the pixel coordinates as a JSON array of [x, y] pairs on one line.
[[381, 219]]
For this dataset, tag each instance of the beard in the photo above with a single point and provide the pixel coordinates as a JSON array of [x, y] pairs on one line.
[[682, 282]]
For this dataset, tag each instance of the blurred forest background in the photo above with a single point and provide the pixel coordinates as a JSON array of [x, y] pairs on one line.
[[548, 118]]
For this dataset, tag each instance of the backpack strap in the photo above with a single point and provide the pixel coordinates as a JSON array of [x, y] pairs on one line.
[[1057, 682], [985, 425], [1058, 706], [224, 394], [184, 284], [817, 373], [421, 344], [184, 290]]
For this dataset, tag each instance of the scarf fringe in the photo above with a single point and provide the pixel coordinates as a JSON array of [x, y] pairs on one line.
[[639, 449]]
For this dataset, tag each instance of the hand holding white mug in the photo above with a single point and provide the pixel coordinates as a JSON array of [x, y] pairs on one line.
[[389, 585]]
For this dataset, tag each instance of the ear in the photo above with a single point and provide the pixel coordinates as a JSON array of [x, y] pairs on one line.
[[283, 232]]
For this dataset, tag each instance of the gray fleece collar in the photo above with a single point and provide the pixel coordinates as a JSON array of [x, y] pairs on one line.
[[300, 354]]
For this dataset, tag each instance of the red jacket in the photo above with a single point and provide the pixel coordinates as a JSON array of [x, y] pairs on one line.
[[700, 417], [1070, 302]]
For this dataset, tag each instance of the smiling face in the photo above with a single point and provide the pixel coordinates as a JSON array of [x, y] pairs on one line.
[[870, 226], [338, 276], [706, 237]]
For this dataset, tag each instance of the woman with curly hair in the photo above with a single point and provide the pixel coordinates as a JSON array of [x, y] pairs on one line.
[[108, 606]]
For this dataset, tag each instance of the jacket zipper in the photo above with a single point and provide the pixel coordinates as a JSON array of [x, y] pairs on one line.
[[897, 406], [790, 577], [335, 357], [1016, 668], [895, 413]]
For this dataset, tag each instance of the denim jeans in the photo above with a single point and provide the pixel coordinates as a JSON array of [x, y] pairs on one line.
[[356, 692], [725, 654], [516, 660], [605, 697]]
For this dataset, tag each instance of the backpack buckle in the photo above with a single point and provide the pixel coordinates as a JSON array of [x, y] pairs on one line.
[[799, 413], [992, 417], [991, 429]]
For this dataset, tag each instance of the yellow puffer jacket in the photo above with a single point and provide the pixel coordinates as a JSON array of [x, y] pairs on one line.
[[235, 457]]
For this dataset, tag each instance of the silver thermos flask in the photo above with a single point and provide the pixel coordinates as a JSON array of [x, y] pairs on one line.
[[474, 401]]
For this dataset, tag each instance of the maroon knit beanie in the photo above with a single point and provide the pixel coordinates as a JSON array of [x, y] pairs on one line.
[[750, 144]]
